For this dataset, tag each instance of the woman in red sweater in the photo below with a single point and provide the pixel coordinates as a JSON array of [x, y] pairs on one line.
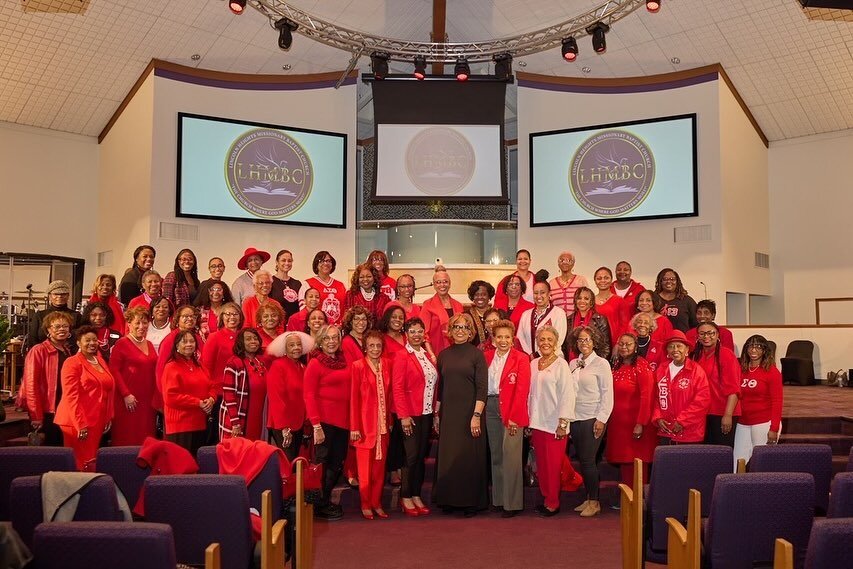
[[327, 399], [682, 394], [415, 387], [244, 389], [512, 302], [722, 369], [188, 394], [630, 433], [357, 321], [132, 364], [270, 321], [761, 398], [371, 422], [104, 290], [299, 321], [610, 305], [285, 378]]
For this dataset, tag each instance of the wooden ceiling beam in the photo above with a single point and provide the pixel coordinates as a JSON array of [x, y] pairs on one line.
[[439, 29]]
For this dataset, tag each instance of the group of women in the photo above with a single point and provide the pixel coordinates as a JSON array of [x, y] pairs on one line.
[[361, 377]]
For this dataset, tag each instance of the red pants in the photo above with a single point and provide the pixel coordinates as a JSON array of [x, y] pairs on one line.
[[549, 458], [84, 451], [371, 475]]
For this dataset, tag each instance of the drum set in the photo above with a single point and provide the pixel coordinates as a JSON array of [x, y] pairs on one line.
[[19, 313]]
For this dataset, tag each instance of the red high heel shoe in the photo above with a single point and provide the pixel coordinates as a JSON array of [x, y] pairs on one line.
[[422, 510], [380, 513], [409, 511], [367, 514]]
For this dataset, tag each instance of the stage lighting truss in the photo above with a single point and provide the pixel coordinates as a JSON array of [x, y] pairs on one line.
[[359, 43]]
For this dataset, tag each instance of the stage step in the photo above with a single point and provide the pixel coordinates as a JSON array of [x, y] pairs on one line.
[[840, 444], [805, 425]]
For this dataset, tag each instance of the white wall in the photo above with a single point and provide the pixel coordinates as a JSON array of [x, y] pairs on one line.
[[811, 203], [648, 245], [49, 194], [321, 109]]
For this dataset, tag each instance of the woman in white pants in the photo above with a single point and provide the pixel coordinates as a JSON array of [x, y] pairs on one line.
[[761, 398]]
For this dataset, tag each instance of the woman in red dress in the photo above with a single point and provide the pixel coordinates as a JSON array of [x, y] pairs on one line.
[[244, 389], [630, 433], [86, 409], [357, 321], [132, 364], [365, 290], [387, 285], [286, 407], [371, 422], [270, 318], [104, 290], [722, 369], [610, 305], [332, 291]]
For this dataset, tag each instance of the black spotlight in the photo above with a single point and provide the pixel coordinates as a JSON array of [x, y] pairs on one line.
[[420, 67], [653, 5], [237, 6], [462, 70], [503, 66], [379, 62], [598, 31], [285, 28], [570, 49]]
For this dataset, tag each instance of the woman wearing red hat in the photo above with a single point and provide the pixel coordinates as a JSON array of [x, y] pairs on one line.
[[683, 396], [333, 293], [251, 261]]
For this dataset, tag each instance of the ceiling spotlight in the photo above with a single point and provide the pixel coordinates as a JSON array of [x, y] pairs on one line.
[[285, 28], [570, 49], [462, 70], [237, 6], [503, 66], [379, 62], [420, 67], [597, 31], [653, 5]]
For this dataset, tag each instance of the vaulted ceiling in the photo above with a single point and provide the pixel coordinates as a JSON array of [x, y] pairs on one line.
[[70, 72]]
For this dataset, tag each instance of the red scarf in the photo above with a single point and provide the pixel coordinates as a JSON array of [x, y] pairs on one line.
[[336, 362]]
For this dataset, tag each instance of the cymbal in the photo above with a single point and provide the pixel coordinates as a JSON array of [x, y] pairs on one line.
[[27, 292]]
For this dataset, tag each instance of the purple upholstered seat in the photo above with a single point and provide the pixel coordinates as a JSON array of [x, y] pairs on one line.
[[98, 502], [120, 463], [830, 544], [812, 459], [90, 545], [268, 479], [207, 461], [749, 511], [203, 509], [30, 461], [841, 497], [675, 470]]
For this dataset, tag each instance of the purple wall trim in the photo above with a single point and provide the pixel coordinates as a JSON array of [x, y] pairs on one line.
[[620, 88], [246, 86]]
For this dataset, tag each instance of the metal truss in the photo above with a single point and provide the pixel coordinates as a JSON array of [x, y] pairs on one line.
[[359, 43]]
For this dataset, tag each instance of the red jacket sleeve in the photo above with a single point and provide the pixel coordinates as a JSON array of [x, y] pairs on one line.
[[35, 382], [775, 399], [519, 410], [399, 379], [731, 372], [72, 371], [232, 382], [311, 385]]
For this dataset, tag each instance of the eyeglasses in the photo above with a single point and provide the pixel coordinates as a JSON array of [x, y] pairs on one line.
[[60, 327], [707, 333], [415, 331], [625, 344], [216, 267], [359, 318], [460, 327], [669, 279], [584, 340], [187, 317], [756, 347], [230, 315]]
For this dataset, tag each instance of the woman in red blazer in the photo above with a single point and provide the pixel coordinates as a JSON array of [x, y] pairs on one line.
[[86, 409], [286, 406], [437, 310], [506, 417], [370, 422], [415, 387]]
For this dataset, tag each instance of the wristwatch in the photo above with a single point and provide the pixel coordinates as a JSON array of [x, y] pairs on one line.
[[563, 423], [476, 414]]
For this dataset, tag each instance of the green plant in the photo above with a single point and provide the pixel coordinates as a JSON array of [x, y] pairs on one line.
[[6, 331]]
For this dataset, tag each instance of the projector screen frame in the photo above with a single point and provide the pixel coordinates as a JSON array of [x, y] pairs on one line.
[[342, 135], [694, 152]]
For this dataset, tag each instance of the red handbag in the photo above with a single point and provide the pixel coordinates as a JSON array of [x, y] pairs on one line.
[[312, 475]]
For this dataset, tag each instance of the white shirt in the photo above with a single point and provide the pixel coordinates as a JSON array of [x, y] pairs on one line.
[[556, 318], [496, 369], [430, 378], [594, 385], [552, 395], [674, 369]]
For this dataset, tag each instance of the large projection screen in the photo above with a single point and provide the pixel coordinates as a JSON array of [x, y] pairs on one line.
[[246, 171], [614, 172]]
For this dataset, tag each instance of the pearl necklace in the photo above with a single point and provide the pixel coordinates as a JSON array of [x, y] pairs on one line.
[[648, 339], [368, 296]]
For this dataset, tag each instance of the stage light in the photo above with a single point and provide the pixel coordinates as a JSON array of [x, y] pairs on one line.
[[285, 28], [570, 49], [599, 41], [462, 69], [237, 6], [653, 5], [379, 62], [503, 66], [420, 67]]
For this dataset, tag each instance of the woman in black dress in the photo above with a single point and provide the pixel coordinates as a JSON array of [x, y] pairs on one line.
[[461, 481]]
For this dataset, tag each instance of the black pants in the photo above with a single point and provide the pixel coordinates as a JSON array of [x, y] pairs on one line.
[[190, 440], [331, 454], [714, 434], [211, 435], [52, 433], [415, 449], [394, 455], [292, 451], [586, 449]]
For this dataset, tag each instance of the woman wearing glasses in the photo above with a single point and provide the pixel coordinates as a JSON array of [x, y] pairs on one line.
[[722, 369], [461, 481], [184, 320], [761, 398], [680, 307], [333, 293]]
